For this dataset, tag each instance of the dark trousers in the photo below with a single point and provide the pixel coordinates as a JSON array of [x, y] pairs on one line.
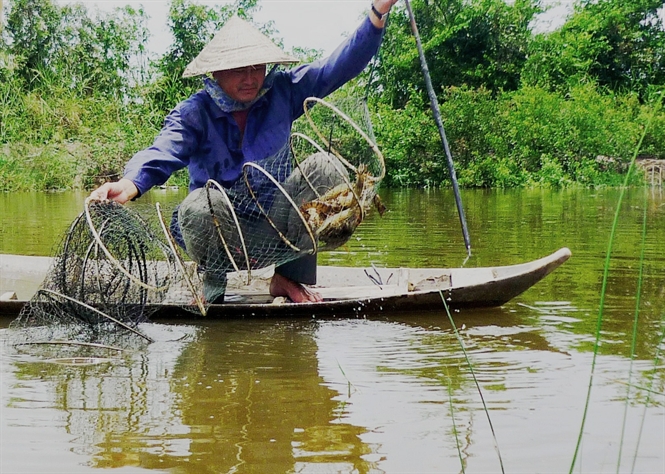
[[302, 270]]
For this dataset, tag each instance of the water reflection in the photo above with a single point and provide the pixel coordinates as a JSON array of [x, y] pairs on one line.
[[379, 395], [113, 412], [234, 398], [375, 395], [410, 381], [254, 401]]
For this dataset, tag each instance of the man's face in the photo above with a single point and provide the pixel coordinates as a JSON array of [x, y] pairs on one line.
[[242, 84]]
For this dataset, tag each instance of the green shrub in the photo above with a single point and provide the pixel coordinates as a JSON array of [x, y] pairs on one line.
[[410, 144], [492, 172]]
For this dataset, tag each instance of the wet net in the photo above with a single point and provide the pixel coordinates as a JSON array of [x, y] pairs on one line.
[[115, 266], [110, 271]]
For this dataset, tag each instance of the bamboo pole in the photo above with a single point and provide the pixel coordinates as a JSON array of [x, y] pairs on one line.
[[434, 104]]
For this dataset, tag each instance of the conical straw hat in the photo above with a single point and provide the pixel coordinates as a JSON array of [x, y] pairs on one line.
[[237, 44]]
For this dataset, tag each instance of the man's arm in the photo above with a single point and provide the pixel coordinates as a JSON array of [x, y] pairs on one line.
[[152, 166], [324, 76]]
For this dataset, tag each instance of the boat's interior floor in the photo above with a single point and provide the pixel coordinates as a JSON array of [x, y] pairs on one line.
[[333, 282]]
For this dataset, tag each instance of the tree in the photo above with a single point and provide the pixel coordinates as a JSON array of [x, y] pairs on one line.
[[65, 47], [99, 54], [32, 26], [615, 43], [478, 43]]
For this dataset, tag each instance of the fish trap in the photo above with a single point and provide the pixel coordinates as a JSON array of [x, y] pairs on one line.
[[110, 272], [308, 197]]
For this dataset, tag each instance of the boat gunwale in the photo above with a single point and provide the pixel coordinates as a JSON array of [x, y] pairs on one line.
[[506, 282]]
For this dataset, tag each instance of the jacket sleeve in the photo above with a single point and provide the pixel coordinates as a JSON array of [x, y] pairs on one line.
[[322, 77], [175, 143]]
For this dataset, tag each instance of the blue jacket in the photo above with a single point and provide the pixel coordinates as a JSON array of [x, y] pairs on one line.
[[199, 135]]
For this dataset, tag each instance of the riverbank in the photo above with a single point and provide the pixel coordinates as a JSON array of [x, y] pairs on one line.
[[523, 139]]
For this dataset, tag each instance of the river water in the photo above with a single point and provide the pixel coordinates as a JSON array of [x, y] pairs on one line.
[[388, 394]]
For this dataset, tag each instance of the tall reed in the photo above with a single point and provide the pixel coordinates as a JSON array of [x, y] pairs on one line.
[[475, 380], [608, 255]]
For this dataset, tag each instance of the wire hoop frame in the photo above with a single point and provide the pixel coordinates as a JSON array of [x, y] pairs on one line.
[[281, 189], [295, 158], [327, 155], [179, 262], [212, 183], [346, 118], [95, 310], [111, 258]]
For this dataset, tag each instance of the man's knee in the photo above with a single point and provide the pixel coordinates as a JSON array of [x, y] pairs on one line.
[[314, 176], [324, 169], [194, 205]]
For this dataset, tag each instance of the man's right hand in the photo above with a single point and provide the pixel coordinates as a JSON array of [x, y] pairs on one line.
[[120, 191]]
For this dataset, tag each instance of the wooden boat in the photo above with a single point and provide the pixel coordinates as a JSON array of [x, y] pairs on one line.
[[346, 291]]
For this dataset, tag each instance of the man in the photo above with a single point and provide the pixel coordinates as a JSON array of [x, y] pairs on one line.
[[243, 116]]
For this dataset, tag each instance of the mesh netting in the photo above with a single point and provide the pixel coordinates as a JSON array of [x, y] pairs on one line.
[[116, 265], [308, 197], [110, 271]]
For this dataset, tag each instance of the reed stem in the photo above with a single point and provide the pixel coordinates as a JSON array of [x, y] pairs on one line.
[[475, 380], [603, 290]]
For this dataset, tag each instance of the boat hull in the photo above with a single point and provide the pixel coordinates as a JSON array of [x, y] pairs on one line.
[[346, 291]]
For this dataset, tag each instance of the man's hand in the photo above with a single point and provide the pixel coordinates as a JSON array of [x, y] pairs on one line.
[[382, 7], [119, 191]]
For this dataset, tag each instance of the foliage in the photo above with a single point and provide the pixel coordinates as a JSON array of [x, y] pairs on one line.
[[60, 140], [581, 125], [79, 94], [478, 43], [527, 137], [617, 44], [52, 44], [75, 99], [32, 27], [492, 172], [66, 118], [409, 139]]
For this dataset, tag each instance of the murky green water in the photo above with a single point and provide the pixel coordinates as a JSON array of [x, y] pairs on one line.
[[392, 394]]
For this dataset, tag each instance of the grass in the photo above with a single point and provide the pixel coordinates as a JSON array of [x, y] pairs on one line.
[[603, 291], [475, 380], [633, 342]]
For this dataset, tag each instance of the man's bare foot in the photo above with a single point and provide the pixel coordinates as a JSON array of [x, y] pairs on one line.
[[296, 292]]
